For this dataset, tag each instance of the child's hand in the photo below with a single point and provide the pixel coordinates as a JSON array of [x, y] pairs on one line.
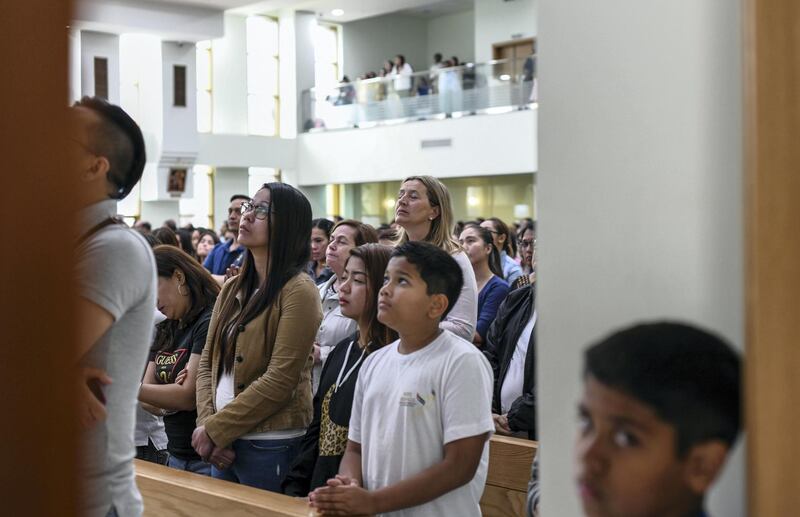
[[349, 499], [501, 425], [340, 480]]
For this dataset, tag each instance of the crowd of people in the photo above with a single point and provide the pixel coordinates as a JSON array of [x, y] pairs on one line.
[[446, 87], [364, 369]]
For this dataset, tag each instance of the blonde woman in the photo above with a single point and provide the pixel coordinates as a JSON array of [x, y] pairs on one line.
[[424, 213]]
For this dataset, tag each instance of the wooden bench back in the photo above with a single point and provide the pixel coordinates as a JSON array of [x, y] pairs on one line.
[[510, 461], [172, 492], [168, 491]]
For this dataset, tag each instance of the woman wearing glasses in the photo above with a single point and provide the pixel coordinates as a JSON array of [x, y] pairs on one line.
[[254, 378], [527, 253]]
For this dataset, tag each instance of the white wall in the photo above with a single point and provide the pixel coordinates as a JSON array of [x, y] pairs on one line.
[[75, 64], [180, 123], [98, 44], [227, 182], [497, 21], [156, 212], [245, 151], [452, 35], [368, 43], [317, 197], [640, 207], [177, 22], [229, 76], [481, 145], [304, 25], [142, 96]]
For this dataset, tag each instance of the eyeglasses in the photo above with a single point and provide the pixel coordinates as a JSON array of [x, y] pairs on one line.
[[527, 243], [261, 211]]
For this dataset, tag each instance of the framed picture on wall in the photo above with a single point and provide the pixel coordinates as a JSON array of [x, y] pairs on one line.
[[176, 182]]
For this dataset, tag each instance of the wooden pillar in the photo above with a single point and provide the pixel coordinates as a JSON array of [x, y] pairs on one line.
[[38, 434], [772, 102]]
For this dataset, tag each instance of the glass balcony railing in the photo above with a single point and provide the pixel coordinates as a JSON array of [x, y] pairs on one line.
[[470, 89]]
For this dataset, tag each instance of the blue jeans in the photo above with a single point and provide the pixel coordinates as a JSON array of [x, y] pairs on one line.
[[260, 463], [196, 466]]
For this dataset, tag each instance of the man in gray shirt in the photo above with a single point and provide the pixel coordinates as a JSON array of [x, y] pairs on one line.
[[116, 272]]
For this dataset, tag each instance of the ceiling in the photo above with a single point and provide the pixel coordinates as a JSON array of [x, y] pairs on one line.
[[353, 9]]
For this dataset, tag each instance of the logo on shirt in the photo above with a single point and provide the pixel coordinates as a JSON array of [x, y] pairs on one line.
[[409, 399], [169, 364]]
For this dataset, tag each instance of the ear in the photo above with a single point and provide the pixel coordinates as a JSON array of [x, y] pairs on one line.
[[703, 463], [436, 211], [179, 276], [98, 169], [437, 306]]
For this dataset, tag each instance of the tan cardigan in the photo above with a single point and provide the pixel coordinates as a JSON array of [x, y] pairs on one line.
[[272, 367]]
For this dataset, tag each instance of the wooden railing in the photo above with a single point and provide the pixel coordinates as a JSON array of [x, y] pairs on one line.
[[167, 491], [171, 492]]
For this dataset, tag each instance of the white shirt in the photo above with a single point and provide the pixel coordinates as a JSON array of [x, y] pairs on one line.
[[225, 396], [334, 328], [463, 317], [515, 376], [406, 407], [149, 427], [402, 77]]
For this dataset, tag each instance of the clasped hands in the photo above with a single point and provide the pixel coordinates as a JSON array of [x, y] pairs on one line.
[[342, 496], [220, 457], [501, 424]]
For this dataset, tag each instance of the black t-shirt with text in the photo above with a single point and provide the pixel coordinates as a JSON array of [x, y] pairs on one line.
[[169, 362]]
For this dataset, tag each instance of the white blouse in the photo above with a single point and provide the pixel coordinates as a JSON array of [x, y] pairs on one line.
[[463, 317]]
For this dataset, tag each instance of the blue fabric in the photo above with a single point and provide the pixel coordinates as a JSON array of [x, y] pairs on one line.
[[260, 463], [196, 466], [511, 270], [489, 300], [221, 258]]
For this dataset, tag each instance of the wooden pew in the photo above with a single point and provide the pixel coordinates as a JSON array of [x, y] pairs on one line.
[[171, 492], [510, 461]]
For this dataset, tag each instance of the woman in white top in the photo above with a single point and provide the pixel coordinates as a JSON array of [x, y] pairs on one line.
[[424, 213], [345, 236]]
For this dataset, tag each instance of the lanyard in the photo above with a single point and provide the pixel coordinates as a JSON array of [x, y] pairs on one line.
[[339, 380]]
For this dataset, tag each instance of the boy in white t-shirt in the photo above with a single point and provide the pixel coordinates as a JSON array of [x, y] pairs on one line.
[[421, 416]]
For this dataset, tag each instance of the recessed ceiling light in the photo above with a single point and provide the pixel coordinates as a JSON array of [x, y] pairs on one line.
[[337, 12]]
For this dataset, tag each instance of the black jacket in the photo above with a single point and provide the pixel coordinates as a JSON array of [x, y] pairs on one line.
[[501, 340]]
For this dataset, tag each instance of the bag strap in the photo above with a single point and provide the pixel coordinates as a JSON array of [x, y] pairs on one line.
[[96, 228]]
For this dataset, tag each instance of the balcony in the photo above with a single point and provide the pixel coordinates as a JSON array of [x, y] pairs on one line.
[[473, 89]]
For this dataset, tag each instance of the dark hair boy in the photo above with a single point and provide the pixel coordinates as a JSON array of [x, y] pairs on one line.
[[659, 413], [422, 407]]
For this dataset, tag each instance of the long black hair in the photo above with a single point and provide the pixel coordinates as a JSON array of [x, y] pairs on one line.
[[375, 257], [185, 238], [289, 227], [495, 265], [326, 225]]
